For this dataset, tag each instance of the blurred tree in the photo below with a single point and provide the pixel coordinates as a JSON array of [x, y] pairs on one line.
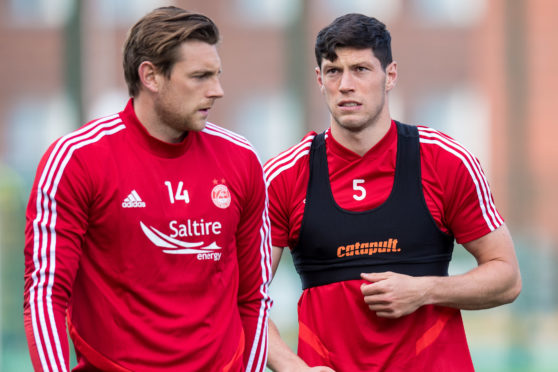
[[12, 225]]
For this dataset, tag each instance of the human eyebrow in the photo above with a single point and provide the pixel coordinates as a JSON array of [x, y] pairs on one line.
[[362, 64], [205, 73], [359, 67], [329, 67]]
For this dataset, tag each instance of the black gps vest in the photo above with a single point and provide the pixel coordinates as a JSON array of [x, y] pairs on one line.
[[400, 235]]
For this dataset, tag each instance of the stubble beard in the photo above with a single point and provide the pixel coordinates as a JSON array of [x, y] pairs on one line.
[[361, 125], [175, 121]]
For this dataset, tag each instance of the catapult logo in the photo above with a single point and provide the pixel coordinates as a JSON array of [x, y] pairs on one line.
[[172, 244], [369, 248]]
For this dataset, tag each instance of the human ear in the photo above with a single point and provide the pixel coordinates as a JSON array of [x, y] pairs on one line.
[[149, 76], [319, 78], [391, 76]]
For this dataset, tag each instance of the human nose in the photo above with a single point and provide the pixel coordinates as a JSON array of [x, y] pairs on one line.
[[216, 90], [346, 82]]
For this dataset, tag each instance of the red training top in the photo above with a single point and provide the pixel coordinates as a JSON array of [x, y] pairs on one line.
[[157, 254], [336, 328]]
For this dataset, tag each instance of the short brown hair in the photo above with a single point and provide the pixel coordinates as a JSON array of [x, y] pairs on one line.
[[156, 36]]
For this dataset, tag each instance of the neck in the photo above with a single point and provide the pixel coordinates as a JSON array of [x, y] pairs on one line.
[[145, 111], [362, 140]]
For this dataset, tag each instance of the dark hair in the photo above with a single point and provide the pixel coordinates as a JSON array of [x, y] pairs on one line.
[[354, 31], [156, 38]]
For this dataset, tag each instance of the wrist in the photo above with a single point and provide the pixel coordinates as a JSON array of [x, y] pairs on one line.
[[289, 363], [429, 285]]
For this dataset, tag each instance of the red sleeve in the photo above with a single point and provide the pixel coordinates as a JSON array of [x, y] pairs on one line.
[[254, 262], [55, 226], [287, 180], [467, 206], [278, 201]]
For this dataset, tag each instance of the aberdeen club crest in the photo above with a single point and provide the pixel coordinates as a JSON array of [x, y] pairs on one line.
[[221, 196]]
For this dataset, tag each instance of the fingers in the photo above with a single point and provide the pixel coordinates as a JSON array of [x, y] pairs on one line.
[[370, 289], [375, 297], [388, 314], [385, 294], [378, 303], [374, 287], [385, 309], [376, 277]]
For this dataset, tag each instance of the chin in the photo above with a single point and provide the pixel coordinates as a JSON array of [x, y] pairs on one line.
[[198, 126], [193, 125], [353, 126]]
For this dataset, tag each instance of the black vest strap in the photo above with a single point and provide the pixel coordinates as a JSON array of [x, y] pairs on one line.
[[400, 235]]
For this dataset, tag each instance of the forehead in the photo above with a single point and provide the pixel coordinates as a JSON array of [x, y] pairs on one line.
[[194, 54], [349, 56]]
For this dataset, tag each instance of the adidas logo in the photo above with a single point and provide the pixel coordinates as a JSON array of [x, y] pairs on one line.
[[133, 201]]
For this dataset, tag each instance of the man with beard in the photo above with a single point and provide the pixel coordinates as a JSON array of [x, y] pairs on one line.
[[147, 230]]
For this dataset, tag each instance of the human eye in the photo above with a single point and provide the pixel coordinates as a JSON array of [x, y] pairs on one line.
[[361, 68], [201, 75], [331, 70]]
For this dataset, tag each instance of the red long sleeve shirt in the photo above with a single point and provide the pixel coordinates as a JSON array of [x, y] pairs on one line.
[[157, 254]]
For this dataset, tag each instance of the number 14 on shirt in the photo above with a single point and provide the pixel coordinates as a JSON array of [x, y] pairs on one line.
[[179, 195]]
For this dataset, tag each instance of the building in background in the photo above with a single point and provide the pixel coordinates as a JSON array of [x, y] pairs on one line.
[[482, 71]]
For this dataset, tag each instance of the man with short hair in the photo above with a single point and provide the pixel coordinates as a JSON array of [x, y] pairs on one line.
[[147, 230], [370, 210]]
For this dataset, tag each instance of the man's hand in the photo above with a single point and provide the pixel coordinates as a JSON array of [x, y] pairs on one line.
[[310, 369], [392, 295], [282, 358], [494, 282]]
